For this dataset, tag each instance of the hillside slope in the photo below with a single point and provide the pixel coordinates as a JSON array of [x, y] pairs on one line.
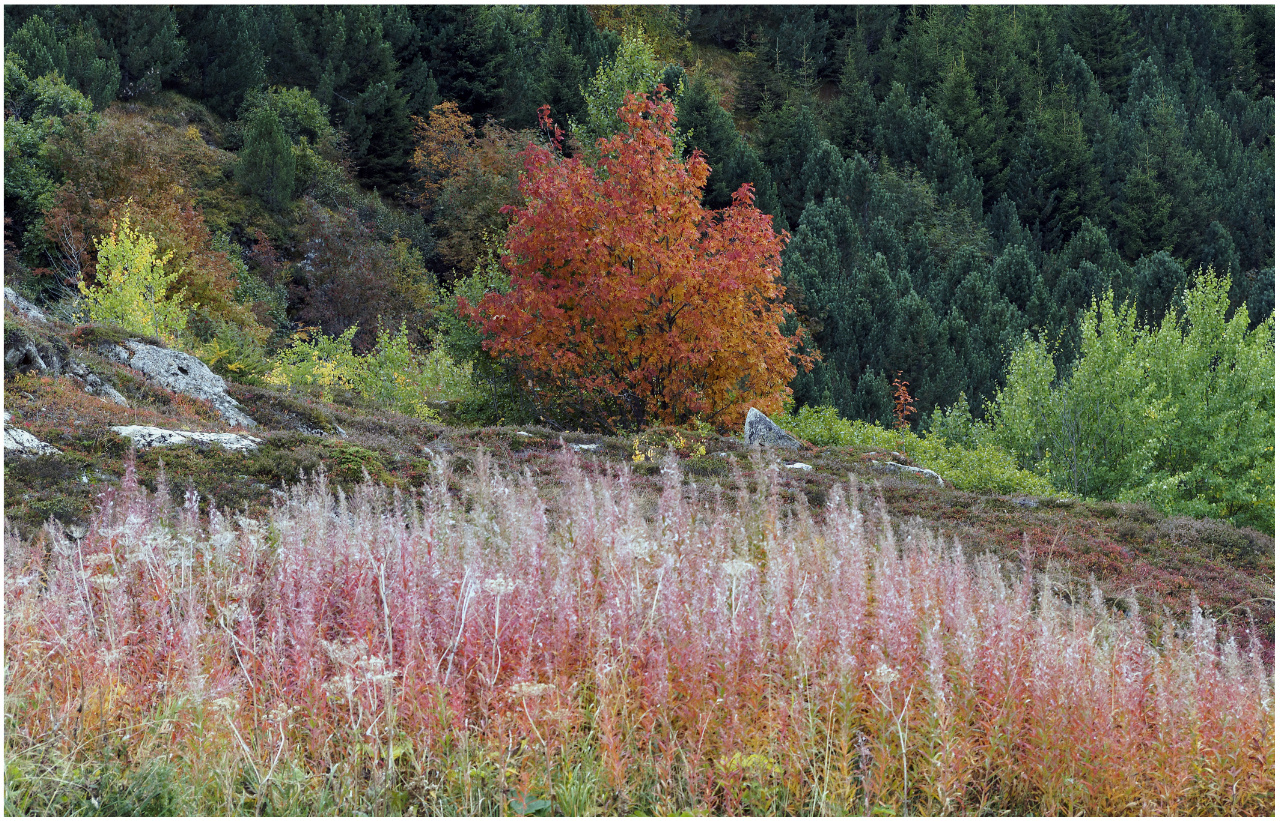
[[1135, 555]]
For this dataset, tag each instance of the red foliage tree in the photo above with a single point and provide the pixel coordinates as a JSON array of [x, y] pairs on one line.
[[631, 303]]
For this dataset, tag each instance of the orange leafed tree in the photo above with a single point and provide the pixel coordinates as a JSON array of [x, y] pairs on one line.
[[630, 303]]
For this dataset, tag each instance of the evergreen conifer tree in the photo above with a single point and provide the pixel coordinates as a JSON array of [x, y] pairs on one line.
[[267, 165]]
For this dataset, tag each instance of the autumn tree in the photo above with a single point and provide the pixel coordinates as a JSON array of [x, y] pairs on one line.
[[464, 179], [120, 163], [136, 288], [630, 302]]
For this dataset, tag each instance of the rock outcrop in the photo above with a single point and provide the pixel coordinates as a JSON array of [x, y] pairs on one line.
[[180, 373], [94, 385], [894, 467], [149, 437], [18, 442], [25, 352], [761, 431], [22, 306]]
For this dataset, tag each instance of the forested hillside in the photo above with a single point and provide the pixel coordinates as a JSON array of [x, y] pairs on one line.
[[953, 180], [376, 380]]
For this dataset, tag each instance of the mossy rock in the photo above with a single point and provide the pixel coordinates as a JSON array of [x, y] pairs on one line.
[[94, 336], [54, 352]]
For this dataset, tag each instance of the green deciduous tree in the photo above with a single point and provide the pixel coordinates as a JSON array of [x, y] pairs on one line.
[[634, 69], [1182, 416], [1216, 455]]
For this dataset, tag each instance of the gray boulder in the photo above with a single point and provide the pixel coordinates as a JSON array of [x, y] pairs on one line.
[[761, 431], [144, 436], [18, 442], [181, 373]]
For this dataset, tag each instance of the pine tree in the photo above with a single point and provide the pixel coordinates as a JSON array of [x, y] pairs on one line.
[[380, 135], [147, 41], [1142, 219], [1102, 35], [786, 137], [852, 116], [957, 103], [224, 58], [267, 164], [1157, 279]]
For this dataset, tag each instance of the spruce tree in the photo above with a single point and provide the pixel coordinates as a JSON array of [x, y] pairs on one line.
[[148, 43], [1102, 35]]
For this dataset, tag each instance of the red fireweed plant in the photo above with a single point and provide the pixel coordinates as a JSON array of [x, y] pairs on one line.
[[475, 648]]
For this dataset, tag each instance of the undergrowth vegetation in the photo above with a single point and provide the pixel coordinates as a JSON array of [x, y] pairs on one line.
[[979, 465], [483, 648], [394, 374]]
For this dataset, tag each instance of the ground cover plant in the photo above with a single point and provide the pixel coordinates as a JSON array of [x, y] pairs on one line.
[[483, 647]]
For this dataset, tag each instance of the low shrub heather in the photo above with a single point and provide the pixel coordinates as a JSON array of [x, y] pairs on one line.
[[476, 648]]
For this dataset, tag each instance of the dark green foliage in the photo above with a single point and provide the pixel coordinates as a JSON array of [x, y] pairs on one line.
[[379, 131], [1052, 179], [148, 43], [85, 61], [852, 115], [267, 165], [225, 57], [787, 136], [1102, 35], [709, 129], [957, 103], [1142, 220], [1157, 278]]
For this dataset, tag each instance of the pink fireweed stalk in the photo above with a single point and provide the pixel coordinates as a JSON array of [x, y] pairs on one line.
[[674, 653]]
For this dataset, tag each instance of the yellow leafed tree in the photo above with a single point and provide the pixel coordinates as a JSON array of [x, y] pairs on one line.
[[133, 287]]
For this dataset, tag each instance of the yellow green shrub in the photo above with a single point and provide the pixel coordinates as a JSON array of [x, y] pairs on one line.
[[134, 290], [980, 464], [395, 374]]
